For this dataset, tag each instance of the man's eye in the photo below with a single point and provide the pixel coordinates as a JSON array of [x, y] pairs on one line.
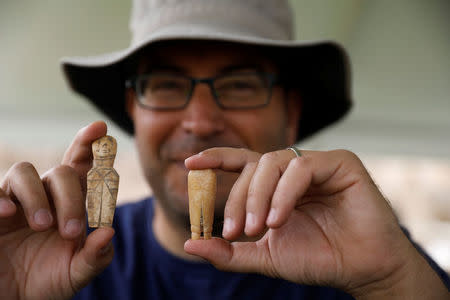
[[166, 85], [242, 85], [238, 85]]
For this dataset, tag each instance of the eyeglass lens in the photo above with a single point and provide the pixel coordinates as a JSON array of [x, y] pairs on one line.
[[170, 91]]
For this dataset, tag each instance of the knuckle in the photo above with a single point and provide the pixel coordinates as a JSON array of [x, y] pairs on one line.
[[347, 154], [252, 193], [251, 166], [297, 162], [350, 156], [269, 157], [62, 171], [247, 154], [21, 168], [351, 159], [242, 151]]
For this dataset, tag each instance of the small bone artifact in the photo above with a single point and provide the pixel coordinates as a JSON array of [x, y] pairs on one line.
[[102, 183], [202, 186]]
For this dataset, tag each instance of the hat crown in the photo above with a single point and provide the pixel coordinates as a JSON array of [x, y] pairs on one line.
[[267, 19]]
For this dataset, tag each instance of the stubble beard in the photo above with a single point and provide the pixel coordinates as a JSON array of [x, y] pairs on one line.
[[169, 184], [174, 204]]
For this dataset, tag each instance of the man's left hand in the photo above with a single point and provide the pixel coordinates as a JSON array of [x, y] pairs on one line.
[[319, 219]]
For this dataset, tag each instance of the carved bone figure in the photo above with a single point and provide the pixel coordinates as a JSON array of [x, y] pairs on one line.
[[202, 186], [102, 183]]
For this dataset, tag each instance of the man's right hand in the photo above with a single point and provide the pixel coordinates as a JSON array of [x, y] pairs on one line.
[[44, 252]]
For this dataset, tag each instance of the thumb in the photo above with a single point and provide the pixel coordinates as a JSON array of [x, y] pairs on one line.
[[243, 257], [95, 256], [79, 153]]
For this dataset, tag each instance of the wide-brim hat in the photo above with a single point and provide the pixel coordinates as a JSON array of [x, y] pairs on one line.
[[320, 69]]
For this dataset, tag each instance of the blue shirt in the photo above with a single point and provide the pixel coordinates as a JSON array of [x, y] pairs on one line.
[[142, 269]]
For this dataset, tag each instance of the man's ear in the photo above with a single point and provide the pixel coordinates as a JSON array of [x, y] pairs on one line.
[[294, 109], [129, 102]]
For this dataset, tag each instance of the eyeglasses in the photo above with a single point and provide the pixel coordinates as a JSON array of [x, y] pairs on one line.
[[168, 91]]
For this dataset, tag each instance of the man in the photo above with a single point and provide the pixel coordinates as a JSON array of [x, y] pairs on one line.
[[228, 92]]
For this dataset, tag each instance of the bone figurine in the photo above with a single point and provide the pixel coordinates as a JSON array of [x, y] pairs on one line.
[[102, 183], [202, 186]]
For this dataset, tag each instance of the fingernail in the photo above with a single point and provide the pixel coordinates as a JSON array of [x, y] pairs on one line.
[[105, 249], [250, 221], [273, 214], [191, 157], [228, 226], [43, 217], [73, 227]]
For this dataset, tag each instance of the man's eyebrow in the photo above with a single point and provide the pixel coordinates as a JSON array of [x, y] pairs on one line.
[[241, 67], [160, 67], [149, 67]]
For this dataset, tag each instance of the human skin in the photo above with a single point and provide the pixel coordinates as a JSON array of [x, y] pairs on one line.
[[165, 139], [328, 209], [330, 217], [323, 221], [44, 251]]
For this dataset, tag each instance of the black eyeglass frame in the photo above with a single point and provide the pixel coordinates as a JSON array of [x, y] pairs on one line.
[[272, 80]]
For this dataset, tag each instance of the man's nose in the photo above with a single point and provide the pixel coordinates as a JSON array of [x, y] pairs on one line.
[[203, 117]]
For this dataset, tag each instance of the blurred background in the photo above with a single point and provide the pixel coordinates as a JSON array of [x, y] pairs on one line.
[[400, 124]]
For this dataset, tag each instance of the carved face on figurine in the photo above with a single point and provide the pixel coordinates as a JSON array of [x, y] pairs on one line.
[[105, 147]]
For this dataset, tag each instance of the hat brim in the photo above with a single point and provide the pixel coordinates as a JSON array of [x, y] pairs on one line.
[[321, 70]]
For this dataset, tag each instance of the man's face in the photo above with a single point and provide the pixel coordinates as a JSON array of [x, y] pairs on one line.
[[165, 139]]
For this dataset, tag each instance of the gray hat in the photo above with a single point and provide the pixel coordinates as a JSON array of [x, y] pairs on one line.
[[319, 68]]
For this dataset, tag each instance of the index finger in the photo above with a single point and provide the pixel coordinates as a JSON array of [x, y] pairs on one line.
[[79, 154], [224, 158]]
